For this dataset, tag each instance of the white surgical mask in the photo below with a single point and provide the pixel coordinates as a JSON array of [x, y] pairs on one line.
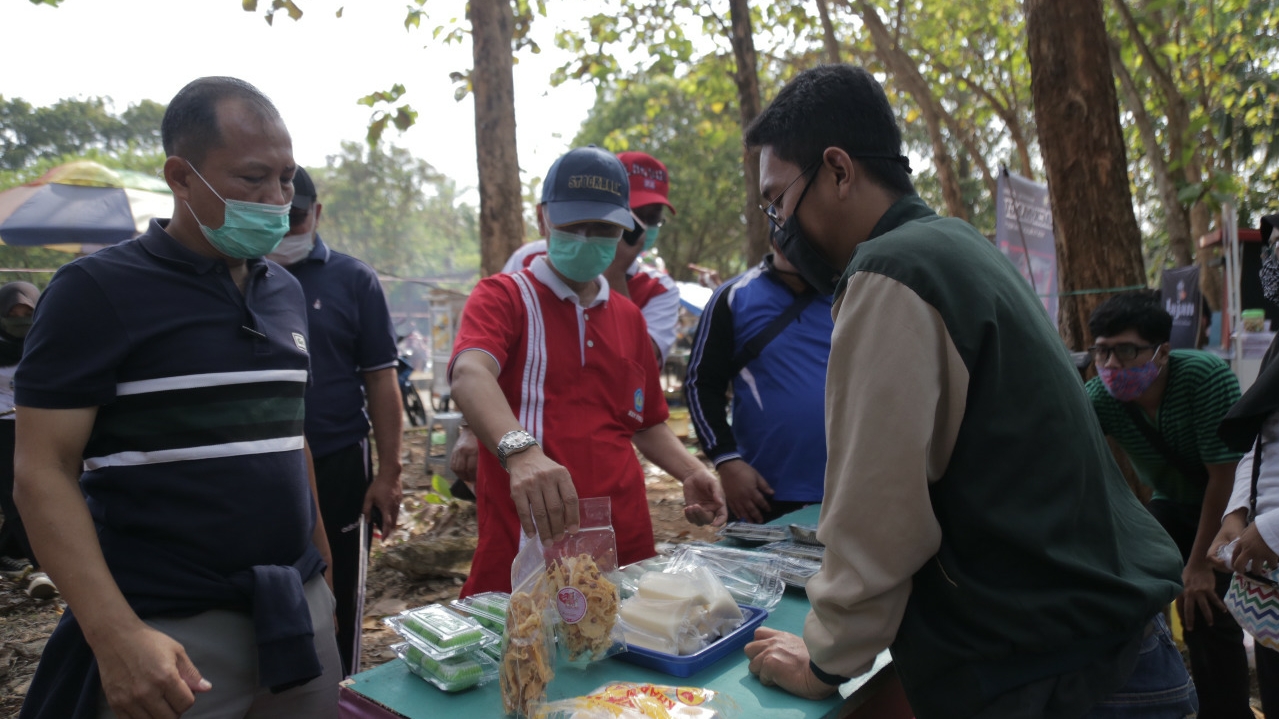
[[293, 249]]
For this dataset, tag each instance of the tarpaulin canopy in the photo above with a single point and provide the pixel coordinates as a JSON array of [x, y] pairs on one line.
[[81, 205]]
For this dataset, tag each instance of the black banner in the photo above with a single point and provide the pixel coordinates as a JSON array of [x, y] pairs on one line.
[[1179, 291]]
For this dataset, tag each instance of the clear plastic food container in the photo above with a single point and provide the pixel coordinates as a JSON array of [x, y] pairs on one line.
[[488, 620], [450, 675], [441, 633]]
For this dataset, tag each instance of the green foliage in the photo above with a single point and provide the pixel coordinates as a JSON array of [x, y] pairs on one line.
[[294, 12], [1224, 73], [691, 125], [75, 127], [402, 117], [398, 214]]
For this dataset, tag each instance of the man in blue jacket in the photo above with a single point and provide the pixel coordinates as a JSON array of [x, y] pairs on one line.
[[766, 335]]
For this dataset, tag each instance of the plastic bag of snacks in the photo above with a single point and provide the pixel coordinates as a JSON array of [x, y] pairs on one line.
[[528, 647], [625, 700], [585, 600]]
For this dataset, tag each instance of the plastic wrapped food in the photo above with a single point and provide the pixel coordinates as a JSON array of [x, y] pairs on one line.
[[805, 534], [587, 604], [752, 578], [662, 625], [748, 532], [439, 632], [585, 599], [789, 548], [796, 572], [450, 675], [469, 608], [626, 700], [528, 647], [679, 613], [494, 603], [627, 578], [720, 614]]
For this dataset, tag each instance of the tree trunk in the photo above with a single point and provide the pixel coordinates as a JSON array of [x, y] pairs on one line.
[[829, 42], [906, 71], [1077, 113], [492, 83], [1178, 224], [747, 79]]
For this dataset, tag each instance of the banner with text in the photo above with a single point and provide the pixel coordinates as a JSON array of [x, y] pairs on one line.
[[1024, 233], [1179, 292]]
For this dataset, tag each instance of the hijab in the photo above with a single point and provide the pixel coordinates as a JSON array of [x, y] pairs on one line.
[[12, 295]]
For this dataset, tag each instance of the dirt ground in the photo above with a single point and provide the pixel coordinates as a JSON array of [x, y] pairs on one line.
[[25, 623]]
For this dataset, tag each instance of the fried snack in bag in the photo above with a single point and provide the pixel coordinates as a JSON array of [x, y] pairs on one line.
[[627, 700], [583, 594], [587, 601], [528, 649]]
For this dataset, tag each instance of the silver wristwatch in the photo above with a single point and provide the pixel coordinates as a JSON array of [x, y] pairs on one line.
[[513, 442]]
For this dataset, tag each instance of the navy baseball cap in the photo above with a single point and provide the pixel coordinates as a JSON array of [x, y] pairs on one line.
[[588, 185], [304, 194]]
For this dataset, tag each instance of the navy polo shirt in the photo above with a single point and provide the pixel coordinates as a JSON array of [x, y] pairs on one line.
[[351, 334], [195, 463]]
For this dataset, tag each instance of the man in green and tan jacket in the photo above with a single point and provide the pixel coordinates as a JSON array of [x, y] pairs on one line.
[[974, 518]]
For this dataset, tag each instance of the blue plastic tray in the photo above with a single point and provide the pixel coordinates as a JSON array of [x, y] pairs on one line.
[[690, 664]]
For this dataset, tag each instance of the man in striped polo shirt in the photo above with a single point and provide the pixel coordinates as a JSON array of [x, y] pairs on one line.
[[161, 465], [556, 376], [1162, 406]]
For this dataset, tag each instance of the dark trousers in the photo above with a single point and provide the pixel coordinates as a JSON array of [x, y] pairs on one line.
[[1218, 661], [342, 479], [13, 536]]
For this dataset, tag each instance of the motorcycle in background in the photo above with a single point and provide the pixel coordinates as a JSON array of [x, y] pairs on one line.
[[404, 367]]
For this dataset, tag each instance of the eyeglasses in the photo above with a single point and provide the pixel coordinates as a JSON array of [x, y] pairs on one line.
[[770, 211], [1124, 351]]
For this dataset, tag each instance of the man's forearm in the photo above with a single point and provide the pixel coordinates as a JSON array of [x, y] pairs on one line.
[[474, 387], [62, 532], [661, 447], [1216, 497], [387, 417]]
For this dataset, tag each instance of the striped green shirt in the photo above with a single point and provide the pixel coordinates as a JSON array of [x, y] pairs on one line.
[[1201, 389]]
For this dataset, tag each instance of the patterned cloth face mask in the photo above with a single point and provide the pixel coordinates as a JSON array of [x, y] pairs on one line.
[[1126, 384]]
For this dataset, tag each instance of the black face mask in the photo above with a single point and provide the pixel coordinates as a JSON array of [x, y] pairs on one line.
[[799, 251]]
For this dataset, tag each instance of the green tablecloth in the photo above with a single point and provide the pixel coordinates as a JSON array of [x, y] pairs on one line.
[[393, 686]]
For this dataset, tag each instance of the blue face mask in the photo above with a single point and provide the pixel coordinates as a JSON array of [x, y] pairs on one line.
[[650, 237], [578, 257], [249, 229]]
